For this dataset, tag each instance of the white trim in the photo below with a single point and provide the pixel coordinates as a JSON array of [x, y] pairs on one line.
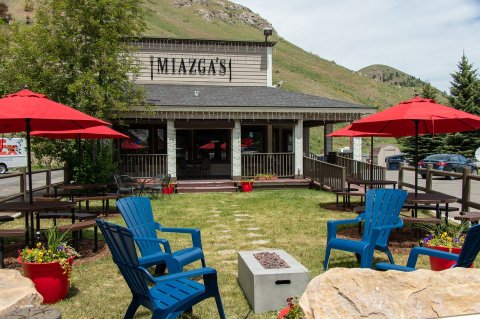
[[237, 151], [171, 149], [298, 135], [269, 67]]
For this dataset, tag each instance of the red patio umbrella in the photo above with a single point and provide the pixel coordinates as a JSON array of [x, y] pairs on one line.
[[94, 132], [348, 132], [27, 111], [418, 116]]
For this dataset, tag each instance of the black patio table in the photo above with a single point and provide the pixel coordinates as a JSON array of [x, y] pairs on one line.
[[30, 209], [83, 189], [371, 183]]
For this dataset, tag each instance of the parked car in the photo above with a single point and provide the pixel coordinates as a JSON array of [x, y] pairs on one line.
[[448, 163]]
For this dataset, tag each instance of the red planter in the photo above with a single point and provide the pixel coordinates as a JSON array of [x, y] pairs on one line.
[[247, 187], [283, 312], [168, 190], [440, 263], [50, 279]]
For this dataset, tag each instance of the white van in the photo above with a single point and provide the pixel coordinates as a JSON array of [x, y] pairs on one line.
[[12, 153]]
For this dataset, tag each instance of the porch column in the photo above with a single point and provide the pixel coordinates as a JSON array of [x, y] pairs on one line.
[[298, 133], [171, 150], [269, 138], [328, 142], [236, 151], [357, 148], [306, 141]]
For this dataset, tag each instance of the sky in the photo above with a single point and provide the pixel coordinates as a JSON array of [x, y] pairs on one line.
[[424, 38]]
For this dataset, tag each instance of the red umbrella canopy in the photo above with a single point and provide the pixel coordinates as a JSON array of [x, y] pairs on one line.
[[94, 132], [347, 131], [44, 114], [432, 118]]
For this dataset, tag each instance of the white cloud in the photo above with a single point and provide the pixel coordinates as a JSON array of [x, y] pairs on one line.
[[423, 38]]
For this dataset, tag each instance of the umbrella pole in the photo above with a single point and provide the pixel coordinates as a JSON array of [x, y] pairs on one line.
[[371, 158], [29, 161], [416, 157]]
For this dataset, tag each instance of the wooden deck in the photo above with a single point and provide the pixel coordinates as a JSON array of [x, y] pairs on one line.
[[228, 185]]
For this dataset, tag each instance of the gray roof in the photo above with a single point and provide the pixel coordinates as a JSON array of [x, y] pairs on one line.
[[237, 96]]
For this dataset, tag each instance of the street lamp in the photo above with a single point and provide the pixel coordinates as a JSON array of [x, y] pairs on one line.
[[267, 32]]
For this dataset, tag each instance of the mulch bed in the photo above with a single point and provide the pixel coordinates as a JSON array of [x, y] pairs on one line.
[[85, 250]]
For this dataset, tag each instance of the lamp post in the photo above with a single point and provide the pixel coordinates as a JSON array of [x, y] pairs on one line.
[[267, 32], [151, 67]]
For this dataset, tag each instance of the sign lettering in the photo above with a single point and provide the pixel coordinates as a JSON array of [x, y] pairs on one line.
[[216, 66]]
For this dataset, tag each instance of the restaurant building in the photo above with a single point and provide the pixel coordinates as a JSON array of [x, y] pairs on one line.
[[213, 112]]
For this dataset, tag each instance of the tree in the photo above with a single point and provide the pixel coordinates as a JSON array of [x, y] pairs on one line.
[[465, 96], [427, 144], [78, 53]]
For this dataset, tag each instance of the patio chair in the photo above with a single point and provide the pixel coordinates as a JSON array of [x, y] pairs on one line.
[[382, 209], [470, 249], [125, 185], [167, 296], [137, 213], [161, 181]]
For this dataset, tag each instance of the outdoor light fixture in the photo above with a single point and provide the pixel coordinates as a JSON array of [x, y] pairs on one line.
[[267, 32]]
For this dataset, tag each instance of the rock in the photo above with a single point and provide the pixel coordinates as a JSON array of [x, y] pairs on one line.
[[16, 291], [366, 293]]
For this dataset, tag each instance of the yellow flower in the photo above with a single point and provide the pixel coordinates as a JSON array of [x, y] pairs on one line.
[[39, 244]]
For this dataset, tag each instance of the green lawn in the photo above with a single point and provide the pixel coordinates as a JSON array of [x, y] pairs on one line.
[[293, 220]]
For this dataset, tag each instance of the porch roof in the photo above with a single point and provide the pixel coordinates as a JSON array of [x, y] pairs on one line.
[[243, 96]]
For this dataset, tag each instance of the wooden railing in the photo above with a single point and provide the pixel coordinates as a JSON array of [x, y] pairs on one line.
[[467, 178], [360, 170], [143, 164], [328, 176], [9, 194], [280, 164]]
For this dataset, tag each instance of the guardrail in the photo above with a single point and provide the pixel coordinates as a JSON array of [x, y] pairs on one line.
[[429, 172], [143, 164], [360, 170], [328, 176], [280, 164], [23, 184]]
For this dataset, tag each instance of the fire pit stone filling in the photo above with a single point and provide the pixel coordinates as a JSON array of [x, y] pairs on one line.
[[269, 277]]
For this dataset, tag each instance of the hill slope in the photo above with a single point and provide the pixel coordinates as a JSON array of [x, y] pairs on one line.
[[387, 74]]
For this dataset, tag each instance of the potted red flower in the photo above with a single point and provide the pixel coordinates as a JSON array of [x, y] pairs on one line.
[[444, 237], [50, 266], [292, 310], [169, 189], [247, 185]]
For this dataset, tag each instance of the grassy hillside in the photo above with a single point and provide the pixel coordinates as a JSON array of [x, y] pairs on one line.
[[295, 68], [387, 74]]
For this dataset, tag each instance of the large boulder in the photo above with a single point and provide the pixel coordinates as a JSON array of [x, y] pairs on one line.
[[16, 291], [366, 293]]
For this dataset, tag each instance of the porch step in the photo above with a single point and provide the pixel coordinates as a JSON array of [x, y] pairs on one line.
[[206, 186]]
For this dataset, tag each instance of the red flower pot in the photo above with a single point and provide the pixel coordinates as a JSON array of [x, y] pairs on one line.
[[50, 279], [247, 187], [283, 312], [167, 190], [440, 263]]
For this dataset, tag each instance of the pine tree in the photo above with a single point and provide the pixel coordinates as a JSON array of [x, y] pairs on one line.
[[427, 144], [465, 96]]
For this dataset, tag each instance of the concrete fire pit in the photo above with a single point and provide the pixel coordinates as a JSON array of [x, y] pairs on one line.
[[268, 289]]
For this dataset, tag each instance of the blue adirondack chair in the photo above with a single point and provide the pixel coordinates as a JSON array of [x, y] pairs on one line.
[[166, 296], [470, 249], [382, 210], [137, 213]]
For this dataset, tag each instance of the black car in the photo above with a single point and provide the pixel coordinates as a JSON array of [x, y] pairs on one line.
[[448, 163]]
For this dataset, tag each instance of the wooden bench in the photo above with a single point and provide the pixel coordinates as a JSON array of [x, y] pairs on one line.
[[5, 233], [104, 198], [472, 217], [75, 228], [346, 197], [425, 220]]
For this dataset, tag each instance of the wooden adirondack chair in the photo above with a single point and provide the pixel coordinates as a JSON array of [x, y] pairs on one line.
[[470, 249], [166, 296], [137, 213], [382, 210]]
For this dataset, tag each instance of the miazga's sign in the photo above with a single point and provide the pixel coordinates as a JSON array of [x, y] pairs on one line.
[[191, 66]]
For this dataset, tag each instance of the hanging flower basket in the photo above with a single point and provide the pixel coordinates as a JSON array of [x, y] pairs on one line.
[[51, 279]]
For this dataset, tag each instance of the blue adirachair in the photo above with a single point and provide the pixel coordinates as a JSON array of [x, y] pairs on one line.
[[166, 296], [137, 213], [470, 249], [382, 210]]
